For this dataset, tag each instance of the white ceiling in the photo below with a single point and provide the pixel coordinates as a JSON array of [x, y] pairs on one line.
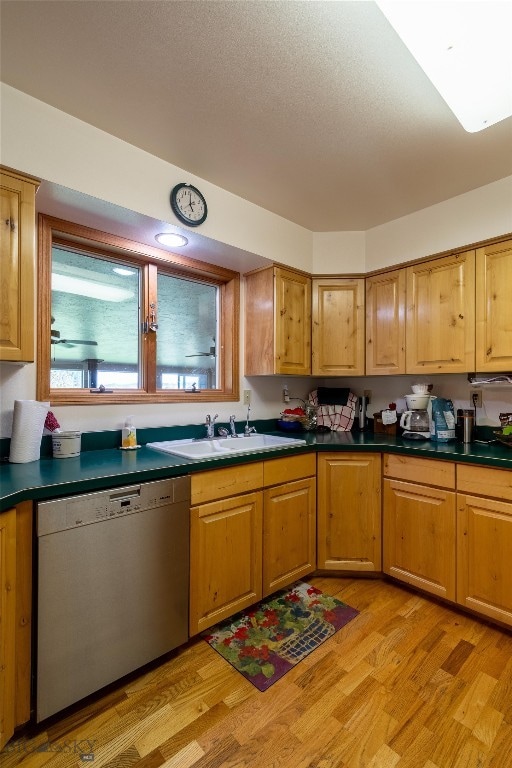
[[313, 110]]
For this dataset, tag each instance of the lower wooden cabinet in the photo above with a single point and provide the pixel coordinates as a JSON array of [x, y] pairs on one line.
[[247, 545], [419, 523], [419, 536], [7, 623], [289, 533], [349, 511], [225, 558], [484, 541], [15, 618], [484, 557]]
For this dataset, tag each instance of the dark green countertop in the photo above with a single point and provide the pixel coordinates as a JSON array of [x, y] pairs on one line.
[[99, 469]]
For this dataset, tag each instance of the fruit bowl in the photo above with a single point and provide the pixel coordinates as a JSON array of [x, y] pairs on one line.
[[290, 425]]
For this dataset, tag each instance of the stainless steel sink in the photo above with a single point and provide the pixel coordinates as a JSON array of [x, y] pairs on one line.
[[225, 446]]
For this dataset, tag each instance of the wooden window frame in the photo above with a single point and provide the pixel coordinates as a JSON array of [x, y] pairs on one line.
[[53, 231]]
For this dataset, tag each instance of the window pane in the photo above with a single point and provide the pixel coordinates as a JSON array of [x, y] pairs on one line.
[[187, 331], [95, 321]]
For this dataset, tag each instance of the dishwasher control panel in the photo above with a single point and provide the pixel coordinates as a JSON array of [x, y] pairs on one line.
[[84, 509]]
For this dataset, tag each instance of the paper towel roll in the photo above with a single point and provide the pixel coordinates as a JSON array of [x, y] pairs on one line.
[[27, 430]]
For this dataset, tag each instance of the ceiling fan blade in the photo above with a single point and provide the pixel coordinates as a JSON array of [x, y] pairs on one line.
[[211, 353], [83, 342]]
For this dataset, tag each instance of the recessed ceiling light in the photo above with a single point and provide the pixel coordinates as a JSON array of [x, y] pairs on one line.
[[123, 271], [464, 49], [171, 239]]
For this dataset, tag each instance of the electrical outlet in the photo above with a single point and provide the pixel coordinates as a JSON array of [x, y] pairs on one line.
[[286, 394], [368, 394], [247, 396], [476, 398]]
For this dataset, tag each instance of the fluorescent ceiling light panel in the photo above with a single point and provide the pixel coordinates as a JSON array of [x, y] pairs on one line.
[[93, 290], [465, 49]]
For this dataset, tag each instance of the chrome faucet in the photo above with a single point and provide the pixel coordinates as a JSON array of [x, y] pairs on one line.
[[210, 425], [248, 430], [232, 426]]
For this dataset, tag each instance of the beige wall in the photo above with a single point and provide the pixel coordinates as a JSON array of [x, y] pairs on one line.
[[478, 215], [47, 143], [339, 253]]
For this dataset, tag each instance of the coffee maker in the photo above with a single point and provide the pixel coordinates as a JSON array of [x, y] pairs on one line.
[[416, 420]]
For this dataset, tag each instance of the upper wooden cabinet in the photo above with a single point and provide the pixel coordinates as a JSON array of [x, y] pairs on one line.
[[385, 323], [17, 260], [338, 327], [441, 316], [494, 307], [277, 322]]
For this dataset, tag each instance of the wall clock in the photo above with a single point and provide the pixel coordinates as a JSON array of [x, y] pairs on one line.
[[188, 204]]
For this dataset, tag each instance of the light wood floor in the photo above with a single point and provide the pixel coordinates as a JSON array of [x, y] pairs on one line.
[[408, 683]]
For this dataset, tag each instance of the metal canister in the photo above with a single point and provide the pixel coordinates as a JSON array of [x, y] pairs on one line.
[[467, 424]]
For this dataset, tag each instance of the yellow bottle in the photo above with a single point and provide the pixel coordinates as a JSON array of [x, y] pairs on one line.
[[129, 434]]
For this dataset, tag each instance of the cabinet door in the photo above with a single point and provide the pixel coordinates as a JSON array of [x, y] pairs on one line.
[[349, 512], [494, 307], [292, 322], [7, 623], [289, 533], [385, 323], [338, 327], [23, 634], [277, 322], [419, 536], [484, 555], [225, 558], [441, 316], [17, 259]]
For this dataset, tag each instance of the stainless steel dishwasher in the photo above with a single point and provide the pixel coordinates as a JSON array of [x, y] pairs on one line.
[[112, 594]]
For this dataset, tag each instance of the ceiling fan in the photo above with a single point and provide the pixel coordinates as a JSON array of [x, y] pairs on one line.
[[211, 353], [56, 339], [74, 342]]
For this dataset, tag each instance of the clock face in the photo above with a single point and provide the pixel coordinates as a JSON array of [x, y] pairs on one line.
[[188, 204]]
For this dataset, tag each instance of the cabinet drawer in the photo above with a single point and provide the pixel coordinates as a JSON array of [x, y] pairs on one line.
[[222, 483], [276, 471], [425, 471], [485, 481]]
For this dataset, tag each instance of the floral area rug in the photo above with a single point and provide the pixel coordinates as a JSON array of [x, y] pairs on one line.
[[268, 639]]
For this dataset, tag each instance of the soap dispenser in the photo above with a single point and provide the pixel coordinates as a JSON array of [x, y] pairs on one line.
[[129, 434]]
